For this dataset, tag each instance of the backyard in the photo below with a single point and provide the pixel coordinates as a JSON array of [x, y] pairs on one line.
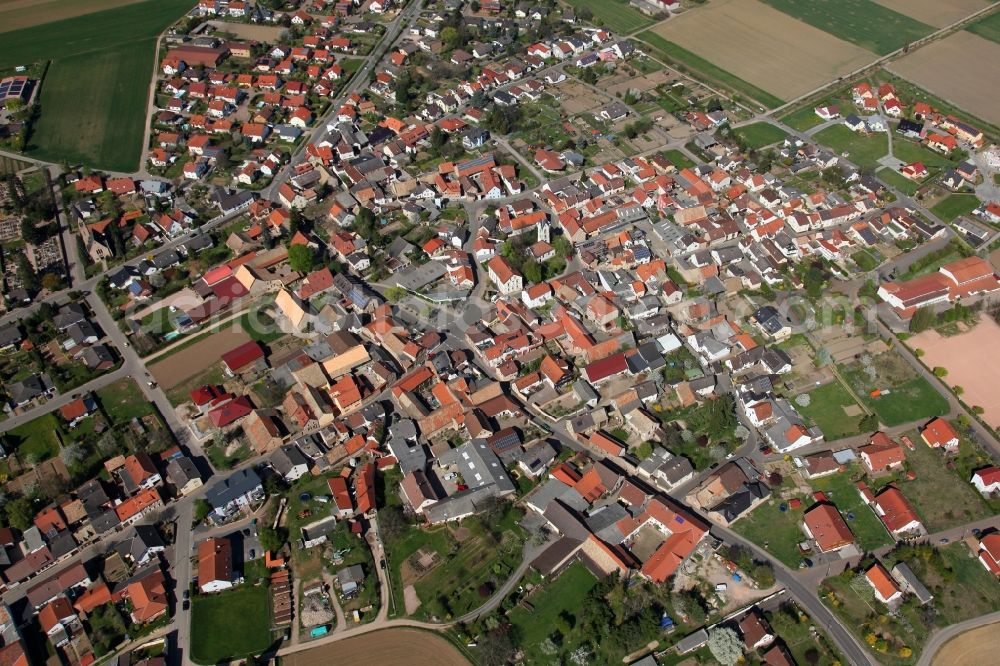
[[230, 625], [861, 149], [900, 394], [124, 401], [758, 135], [828, 405], [955, 205], [563, 595]]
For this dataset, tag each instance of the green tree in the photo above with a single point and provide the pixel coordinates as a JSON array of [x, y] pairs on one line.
[[532, 271], [725, 645], [20, 513], [923, 319], [272, 539], [868, 423], [449, 37], [301, 258], [201, 510]]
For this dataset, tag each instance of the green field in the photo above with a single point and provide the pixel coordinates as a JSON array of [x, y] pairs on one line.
[[862, 22], [908, 151], [702, 68], [93, 97], [803, 119], [231, 624], [899, 181], [123, 401], [865, 260], [565, 594], [862, 150], [910, 401], [955, 205], [988, 27], [826, 409], [38, 438], [680, 160], [615, 15], [758, 135]]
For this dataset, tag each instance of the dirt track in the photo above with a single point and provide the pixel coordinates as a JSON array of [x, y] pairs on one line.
[[972, 363], [972, 86], [974, 647], [188, 362], [768, 48], [390, 647]]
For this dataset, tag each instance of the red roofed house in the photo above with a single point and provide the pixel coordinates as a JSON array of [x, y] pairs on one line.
[[989, 552], [824, 524], [137, 506], [504, 276], [231, 412], [364, 488], [896, 513], [56, 618], [341, 496], [987, 480], [939, 434], [882, 454], [886, 589], [148, 596], [243, 357], [215, 565], [606, 368]]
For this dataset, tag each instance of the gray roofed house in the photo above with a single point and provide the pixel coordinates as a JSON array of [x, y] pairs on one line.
[[166, 259], [9, 337], [667, 468], [289, 462], [183, 474], [98, 357], [83, 333], [603, 522], [236, 490], [29, 388], [692, 641], [69, 314], [143, 545], [910, 583], [479, 466], [197, 243]]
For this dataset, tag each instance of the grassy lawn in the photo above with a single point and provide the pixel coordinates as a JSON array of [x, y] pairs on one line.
[[865, 260], [826, 409], [614, 14], [124, 401], [776, 531], [564, 594], [895, 179], [38, 438], [868, 529], [680, 160], [862, 22], [97, 81], [230, 624], [265, 334], [910, 401], [862, 150], [941, 498], [955, 205], [671, 52], [803, 119], [987, 27], [758, 135], [909, 151]]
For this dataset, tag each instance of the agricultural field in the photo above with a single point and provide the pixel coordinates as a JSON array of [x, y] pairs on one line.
[[758, 135], [17, 14], [108, 90], [93, 98], [616, 15], [975, 646], [704, 69], [988, 27], [763, 46], [413, 647], [860, 149], [868, 25], [971, 87], [938, 13]]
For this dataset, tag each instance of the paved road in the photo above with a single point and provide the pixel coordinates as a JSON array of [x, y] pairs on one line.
[[942, 636]]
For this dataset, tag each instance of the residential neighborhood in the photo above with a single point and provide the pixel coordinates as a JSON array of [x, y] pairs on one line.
[[498, 332]]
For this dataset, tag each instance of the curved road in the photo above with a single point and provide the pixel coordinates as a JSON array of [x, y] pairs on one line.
[[938, 640]]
